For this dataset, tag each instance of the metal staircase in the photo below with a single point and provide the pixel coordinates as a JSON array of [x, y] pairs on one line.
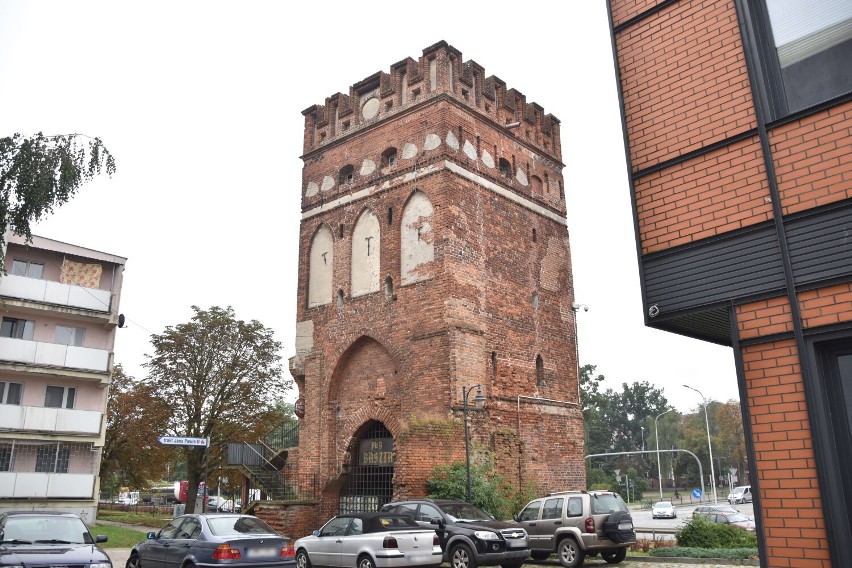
[[263, 463]]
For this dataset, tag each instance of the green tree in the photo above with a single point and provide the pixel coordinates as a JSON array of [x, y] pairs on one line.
[[220, 376], [40, 173]]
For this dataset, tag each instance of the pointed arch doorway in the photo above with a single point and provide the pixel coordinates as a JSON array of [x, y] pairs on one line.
[[369, 484]]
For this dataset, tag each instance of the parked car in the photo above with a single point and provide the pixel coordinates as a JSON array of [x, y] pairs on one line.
[[469, 536], [370, 540], [208, 540], [46, 538], [664, 510], [740, 494], [713, 509], [736, 519], [576, 524]]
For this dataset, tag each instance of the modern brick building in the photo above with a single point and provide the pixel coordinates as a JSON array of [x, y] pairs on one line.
[[434, 257], [738, 131], [60, 312]]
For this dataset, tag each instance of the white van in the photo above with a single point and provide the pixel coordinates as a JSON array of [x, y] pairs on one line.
[[740, 495]]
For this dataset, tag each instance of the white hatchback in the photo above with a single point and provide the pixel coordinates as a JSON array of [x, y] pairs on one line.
[[664, 510]]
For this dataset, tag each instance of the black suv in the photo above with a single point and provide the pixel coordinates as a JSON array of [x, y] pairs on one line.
[[469, 536]]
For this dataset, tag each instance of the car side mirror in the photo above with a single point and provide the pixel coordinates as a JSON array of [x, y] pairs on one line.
[[152, 534], [316, 533], [101, 538], [516, 518], [437, 521]]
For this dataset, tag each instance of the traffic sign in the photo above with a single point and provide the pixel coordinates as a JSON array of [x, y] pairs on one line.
[[183, 441], [696, 493]]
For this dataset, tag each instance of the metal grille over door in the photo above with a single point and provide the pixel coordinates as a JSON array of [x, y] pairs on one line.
[[370, 481]]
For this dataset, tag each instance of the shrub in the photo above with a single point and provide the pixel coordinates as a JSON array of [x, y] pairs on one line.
[[699, 533]]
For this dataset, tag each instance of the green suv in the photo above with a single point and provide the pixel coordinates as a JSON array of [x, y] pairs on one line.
[[576, 524]]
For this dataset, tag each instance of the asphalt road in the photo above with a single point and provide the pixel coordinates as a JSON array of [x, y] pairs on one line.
[[642, 518]]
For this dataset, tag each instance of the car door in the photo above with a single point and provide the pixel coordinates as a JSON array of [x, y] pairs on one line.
[[327, 548], [529, 519], [425, 516], [153, 554], [352, 543], [178, 548], [550, 521]]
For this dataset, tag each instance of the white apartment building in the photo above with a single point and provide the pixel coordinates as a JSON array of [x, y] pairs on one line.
[[59, 305]]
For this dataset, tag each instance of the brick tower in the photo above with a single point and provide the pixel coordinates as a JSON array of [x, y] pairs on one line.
[[434, 257]]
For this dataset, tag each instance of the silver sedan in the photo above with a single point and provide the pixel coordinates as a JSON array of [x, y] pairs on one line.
[[370, 540]]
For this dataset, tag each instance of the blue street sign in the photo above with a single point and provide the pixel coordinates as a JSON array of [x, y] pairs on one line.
[[183, 441], [696, 493]]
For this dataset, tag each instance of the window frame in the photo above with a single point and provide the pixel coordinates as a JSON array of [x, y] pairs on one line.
[[29, 264], [77, 335], [5, 390], [19, 328], [765, 67], [66, 390]]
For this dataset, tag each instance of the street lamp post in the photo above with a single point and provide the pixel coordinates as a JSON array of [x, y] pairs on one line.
[[709, 445], [479, 402], [657, 439]]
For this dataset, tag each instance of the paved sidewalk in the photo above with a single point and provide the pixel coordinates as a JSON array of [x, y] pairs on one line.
[[119, 558]]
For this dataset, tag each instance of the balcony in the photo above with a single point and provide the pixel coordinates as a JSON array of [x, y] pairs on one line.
[[54, 420], [47, 485], [53, 355], [72, 296]]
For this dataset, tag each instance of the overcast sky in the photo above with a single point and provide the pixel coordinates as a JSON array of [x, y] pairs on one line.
[[200, 103]]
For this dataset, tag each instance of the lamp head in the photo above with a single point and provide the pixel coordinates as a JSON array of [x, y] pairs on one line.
[[479, 399]]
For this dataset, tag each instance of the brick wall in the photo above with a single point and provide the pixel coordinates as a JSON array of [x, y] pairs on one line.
[[813, 159], [712, 194], [789, 489], [684, 81]]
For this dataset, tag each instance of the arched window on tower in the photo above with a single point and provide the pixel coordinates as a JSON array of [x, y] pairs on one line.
[[389, 157], [320, 270], [539, 370], [417, 239], [505, 168], [346, 175], [365, 254]]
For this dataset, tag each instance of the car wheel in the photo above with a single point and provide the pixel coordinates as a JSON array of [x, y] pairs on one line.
[[539, 555], [302, 560], [513, 565], [133, 562], [614, 555], [461, 556], [570, 553], [366, 561]]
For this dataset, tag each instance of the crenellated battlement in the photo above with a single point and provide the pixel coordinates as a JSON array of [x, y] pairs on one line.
[[441, 70]]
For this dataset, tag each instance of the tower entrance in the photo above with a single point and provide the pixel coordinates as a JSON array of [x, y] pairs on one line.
[[370, 481]]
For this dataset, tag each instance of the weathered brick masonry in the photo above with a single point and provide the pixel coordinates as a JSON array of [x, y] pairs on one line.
[[742, 204], [456, 181]]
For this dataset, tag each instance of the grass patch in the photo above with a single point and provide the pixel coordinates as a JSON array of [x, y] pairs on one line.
[[135, 518], [118, 537], [691, 552]]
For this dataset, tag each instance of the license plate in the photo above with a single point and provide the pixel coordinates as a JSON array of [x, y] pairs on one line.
[[265, 552]]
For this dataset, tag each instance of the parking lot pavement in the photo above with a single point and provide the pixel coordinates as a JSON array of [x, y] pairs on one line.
[[118, 556]]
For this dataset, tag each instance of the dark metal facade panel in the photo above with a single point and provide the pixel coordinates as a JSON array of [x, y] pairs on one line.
[[742, 265], [713, 325], [821, 245]]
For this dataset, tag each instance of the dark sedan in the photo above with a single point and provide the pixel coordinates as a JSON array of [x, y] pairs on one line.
[[29, 538], [242, 541]]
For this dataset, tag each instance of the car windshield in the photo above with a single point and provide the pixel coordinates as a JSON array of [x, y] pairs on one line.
[[737, 518], [662, 505], [48, 529], [605, 503], [228, 526], [465, 512]]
